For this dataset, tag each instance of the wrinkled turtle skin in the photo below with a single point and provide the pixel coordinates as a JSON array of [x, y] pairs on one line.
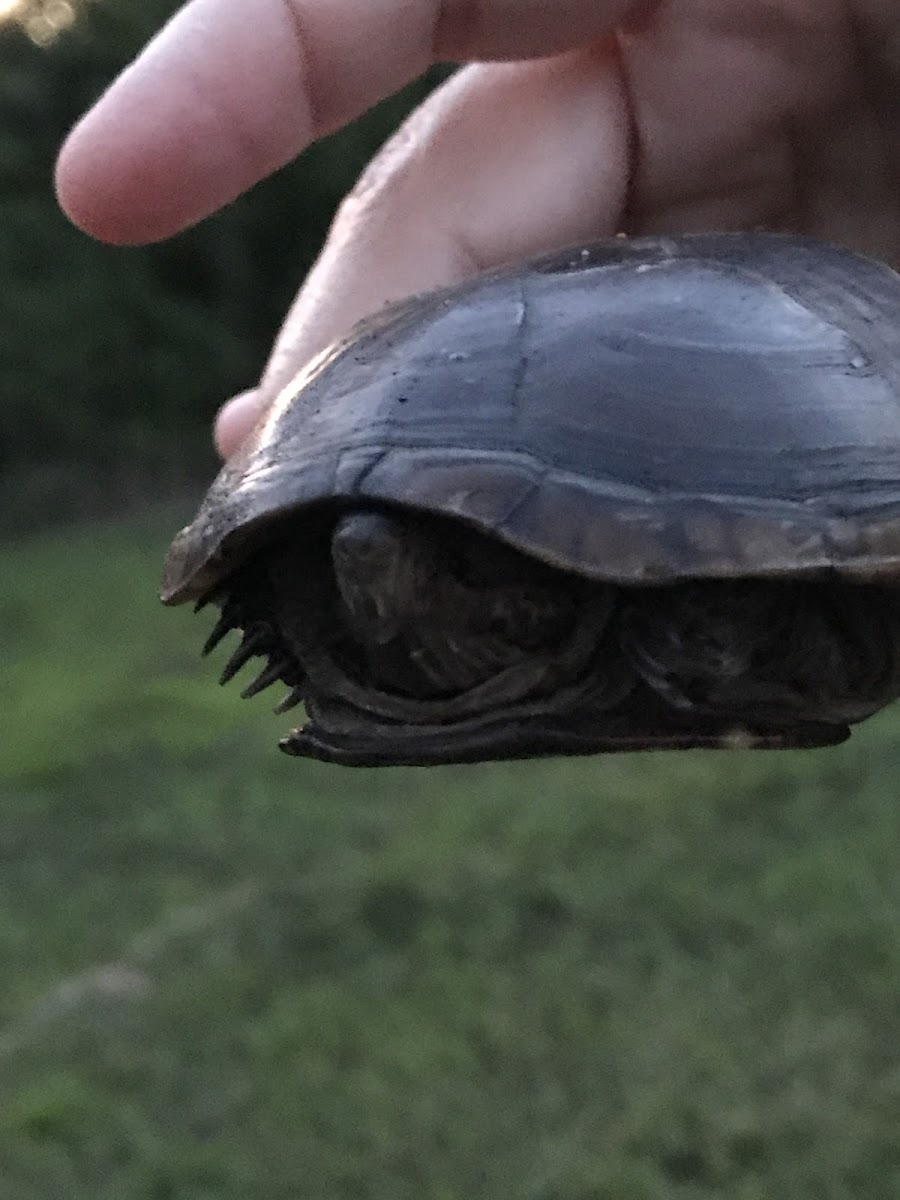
[[644, 494]]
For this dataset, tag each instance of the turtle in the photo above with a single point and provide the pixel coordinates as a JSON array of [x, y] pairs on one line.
[[639, 494]]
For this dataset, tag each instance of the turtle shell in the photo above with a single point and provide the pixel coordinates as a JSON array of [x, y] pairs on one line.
[[640, 411]]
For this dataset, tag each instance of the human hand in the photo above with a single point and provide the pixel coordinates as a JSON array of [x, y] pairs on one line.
[[650, 117]]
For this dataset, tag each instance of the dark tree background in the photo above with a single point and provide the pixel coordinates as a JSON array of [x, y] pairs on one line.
[[114, 361]]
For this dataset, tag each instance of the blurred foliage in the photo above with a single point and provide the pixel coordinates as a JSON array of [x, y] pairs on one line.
[[114, 360], [229, 975]]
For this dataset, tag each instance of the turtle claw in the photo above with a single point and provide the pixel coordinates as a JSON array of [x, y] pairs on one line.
[[270, 674], [208, 598], [259, 638], [253, 642], [226, 622], [291, 700]]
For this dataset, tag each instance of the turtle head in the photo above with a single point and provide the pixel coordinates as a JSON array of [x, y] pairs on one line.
[[382, 572]]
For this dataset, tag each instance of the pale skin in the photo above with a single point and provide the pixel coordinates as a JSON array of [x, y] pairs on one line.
[[575, 119]]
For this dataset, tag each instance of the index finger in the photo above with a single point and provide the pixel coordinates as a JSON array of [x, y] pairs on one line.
[[230, 91]]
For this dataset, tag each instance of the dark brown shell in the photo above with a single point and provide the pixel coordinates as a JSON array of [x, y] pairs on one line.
[[641, 411]]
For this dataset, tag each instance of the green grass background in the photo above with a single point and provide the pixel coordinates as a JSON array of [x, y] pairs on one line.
[[228, 975]]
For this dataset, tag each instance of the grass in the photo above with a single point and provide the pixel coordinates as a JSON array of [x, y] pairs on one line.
[[227, 974]]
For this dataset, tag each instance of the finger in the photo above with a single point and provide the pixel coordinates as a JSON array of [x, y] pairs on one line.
[[230, 91], [503, 161], [235, 420]]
